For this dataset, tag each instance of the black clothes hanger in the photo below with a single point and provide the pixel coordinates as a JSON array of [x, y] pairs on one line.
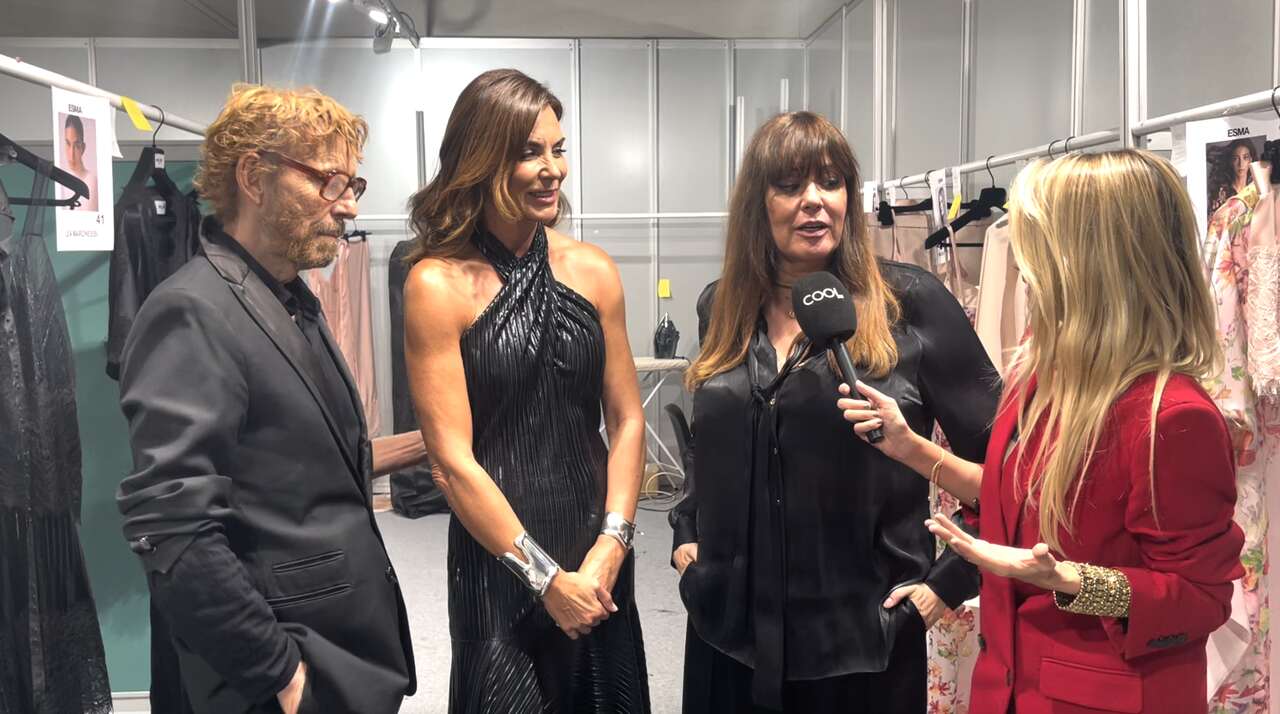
[[886, 212], [13, 151], [989, 198], [151, 164], [6, 215], [356, 236], [925, 205]]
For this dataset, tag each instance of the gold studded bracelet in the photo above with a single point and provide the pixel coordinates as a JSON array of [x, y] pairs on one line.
[[1104, 592]]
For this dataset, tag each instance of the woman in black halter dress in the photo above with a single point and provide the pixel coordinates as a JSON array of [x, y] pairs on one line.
[[515, 339]]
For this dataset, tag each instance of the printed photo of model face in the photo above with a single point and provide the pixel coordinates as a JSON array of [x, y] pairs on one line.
[[75, 156], [73, 144], [1241, 157], [1229, 169]]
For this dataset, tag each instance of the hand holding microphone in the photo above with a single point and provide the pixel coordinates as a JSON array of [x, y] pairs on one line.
[[827, 317]]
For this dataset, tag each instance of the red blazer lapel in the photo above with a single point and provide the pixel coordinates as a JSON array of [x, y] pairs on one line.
[[993, 490]]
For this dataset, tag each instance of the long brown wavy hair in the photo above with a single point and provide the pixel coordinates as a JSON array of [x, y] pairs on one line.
[[803, 143], [483, 141]]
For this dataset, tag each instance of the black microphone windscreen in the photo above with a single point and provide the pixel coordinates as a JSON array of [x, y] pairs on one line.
[[823, 308]]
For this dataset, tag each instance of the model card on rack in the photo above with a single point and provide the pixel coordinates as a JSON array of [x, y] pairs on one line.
[[82, 139], [1218, 155]]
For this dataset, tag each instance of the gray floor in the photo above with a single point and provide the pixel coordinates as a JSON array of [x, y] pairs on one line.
[[417, 548]]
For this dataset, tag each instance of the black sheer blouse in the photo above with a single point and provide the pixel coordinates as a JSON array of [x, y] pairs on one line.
[[803, 528]]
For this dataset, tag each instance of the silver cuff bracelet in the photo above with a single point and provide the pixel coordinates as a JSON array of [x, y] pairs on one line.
[[616, 526], [536, 570]]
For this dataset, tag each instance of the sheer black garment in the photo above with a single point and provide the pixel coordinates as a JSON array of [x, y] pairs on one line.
[[413, 491], [51, 655], [534, 363], [804, 529], [157, 232]]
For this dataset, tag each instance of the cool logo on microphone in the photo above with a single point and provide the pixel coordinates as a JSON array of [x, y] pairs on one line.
[[820, 295]]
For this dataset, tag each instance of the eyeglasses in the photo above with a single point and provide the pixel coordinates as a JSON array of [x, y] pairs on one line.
[[332, 183]]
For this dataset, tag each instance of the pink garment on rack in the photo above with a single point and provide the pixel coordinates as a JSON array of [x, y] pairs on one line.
[[344, 294], [1240, 652], [959, 267], [903, 241], [1002, 298], [953, 643], [1262, 297]]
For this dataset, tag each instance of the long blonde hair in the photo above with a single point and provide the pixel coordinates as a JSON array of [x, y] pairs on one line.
[[1107, 245], [798, 142]]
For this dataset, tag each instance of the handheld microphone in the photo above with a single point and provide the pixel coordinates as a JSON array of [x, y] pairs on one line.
[[827, 317]]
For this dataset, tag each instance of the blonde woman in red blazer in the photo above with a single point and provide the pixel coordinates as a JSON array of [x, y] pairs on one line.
[[1108, 547]]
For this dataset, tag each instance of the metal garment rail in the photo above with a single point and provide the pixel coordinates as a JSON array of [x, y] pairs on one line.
[[670, 216], [1227, 107], [37, 75], [1057, 145]]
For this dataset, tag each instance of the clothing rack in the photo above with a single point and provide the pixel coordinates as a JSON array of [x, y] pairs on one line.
[[1228, 107], [1078, 142], [37, 75]]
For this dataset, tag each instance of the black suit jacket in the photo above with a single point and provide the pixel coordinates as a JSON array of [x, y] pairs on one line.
[[242, 484]]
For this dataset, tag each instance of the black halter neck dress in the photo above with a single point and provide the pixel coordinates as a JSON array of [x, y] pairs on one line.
[[534, 363]]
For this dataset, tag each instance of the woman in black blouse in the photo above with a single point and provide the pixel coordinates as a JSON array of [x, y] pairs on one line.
[[805, 564]]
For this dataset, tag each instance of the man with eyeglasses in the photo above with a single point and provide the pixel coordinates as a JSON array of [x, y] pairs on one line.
[[249, 498]]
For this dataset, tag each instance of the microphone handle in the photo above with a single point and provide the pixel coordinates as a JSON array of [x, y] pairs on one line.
[[850, 376]]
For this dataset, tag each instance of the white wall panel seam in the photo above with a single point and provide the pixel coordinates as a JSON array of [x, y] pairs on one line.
[[844, 69], [575, 141]]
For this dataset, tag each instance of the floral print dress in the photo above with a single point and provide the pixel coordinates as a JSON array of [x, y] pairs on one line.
[[1242, 680]]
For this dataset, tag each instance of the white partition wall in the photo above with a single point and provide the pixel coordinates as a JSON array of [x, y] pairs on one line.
[[381, 88], [693, 125], [824, 66], [1102, 100], [1022, 84], [69, 57], [927, 85], [190, 78], [1189, 61], [617, 167], [769, 77], [859, 82]]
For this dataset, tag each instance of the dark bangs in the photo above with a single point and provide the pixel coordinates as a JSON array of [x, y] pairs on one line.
[[803, 144]]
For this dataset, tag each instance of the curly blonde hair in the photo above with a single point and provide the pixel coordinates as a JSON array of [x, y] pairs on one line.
[[294, 122]]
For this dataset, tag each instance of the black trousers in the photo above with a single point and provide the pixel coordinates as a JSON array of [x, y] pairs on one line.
[[717, 684]]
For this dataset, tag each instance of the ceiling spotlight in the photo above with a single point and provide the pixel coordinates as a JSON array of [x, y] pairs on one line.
[[389, 24]]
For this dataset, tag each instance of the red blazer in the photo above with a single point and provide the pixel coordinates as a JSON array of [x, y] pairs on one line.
[[1035, 658]]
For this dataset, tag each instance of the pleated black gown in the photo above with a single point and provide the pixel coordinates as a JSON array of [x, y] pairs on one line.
[[51, 653], [534, 363]]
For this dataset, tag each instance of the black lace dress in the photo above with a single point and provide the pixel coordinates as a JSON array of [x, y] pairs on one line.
[[51, 656], [534, 363]]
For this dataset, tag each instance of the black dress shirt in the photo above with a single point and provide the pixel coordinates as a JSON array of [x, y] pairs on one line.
[[305, 309], [804, 529]]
